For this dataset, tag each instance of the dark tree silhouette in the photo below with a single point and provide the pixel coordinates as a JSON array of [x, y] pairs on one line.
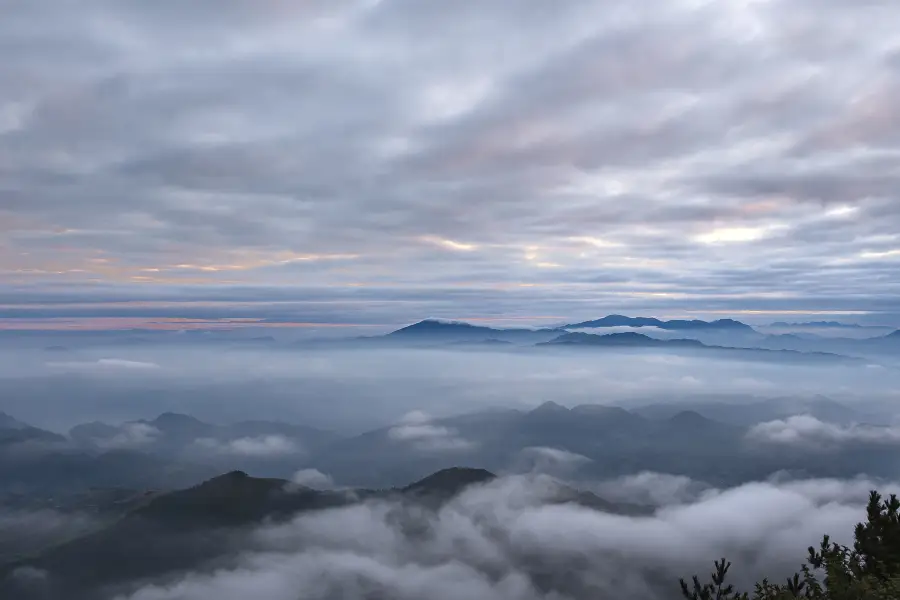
[[870, 570]]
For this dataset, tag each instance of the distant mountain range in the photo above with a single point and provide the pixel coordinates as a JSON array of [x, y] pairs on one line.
[[152, 517], [458, 331], [173, 450], [16, 434], [435, 330], [867, 342], [637, 340], [673, 325], [173, 430], [628, 339], [168, 451], [747, 411], [601, 441], [746, 343], [817, 324]]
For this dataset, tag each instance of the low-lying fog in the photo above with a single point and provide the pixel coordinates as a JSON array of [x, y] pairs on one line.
[[784, 452], [488, 543], [350, 390]]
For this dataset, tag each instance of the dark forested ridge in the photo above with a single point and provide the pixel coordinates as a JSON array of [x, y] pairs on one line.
[[200, 527]]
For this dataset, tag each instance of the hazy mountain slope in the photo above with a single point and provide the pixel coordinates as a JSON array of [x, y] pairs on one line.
[[613, 439], [270, 448], [633, 340], [202, 525], [754, 411], [174, 531], [8, 422], [432, 331]]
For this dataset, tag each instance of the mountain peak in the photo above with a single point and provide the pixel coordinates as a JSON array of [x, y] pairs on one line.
[[173, 417], [9, 422], [694, 324], [673, 325], [627, 338], [170, 420], [729, 323], [437, 331], [550, 407], [430, 327], [821, 324], [619, 321], [432, 324], [450, 481], [230, 481], [690, 418], [180, 425], [628, 335], [232, 498], [601, 410]]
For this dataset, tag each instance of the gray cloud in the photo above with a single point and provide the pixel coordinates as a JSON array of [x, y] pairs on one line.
[[313, 478], [805, 430], [654, 489], [484, 543], [131, 435], [417, 429], [104, 364], [552, 460], [261, 446], [357, 390], [722, 154]]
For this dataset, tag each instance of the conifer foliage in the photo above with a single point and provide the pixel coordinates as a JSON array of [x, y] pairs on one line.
[[870, 570]]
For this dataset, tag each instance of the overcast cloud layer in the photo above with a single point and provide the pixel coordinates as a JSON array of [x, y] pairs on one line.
[[420, 156]]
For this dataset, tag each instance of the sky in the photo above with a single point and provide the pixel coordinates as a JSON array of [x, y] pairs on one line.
[[380, 161]]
